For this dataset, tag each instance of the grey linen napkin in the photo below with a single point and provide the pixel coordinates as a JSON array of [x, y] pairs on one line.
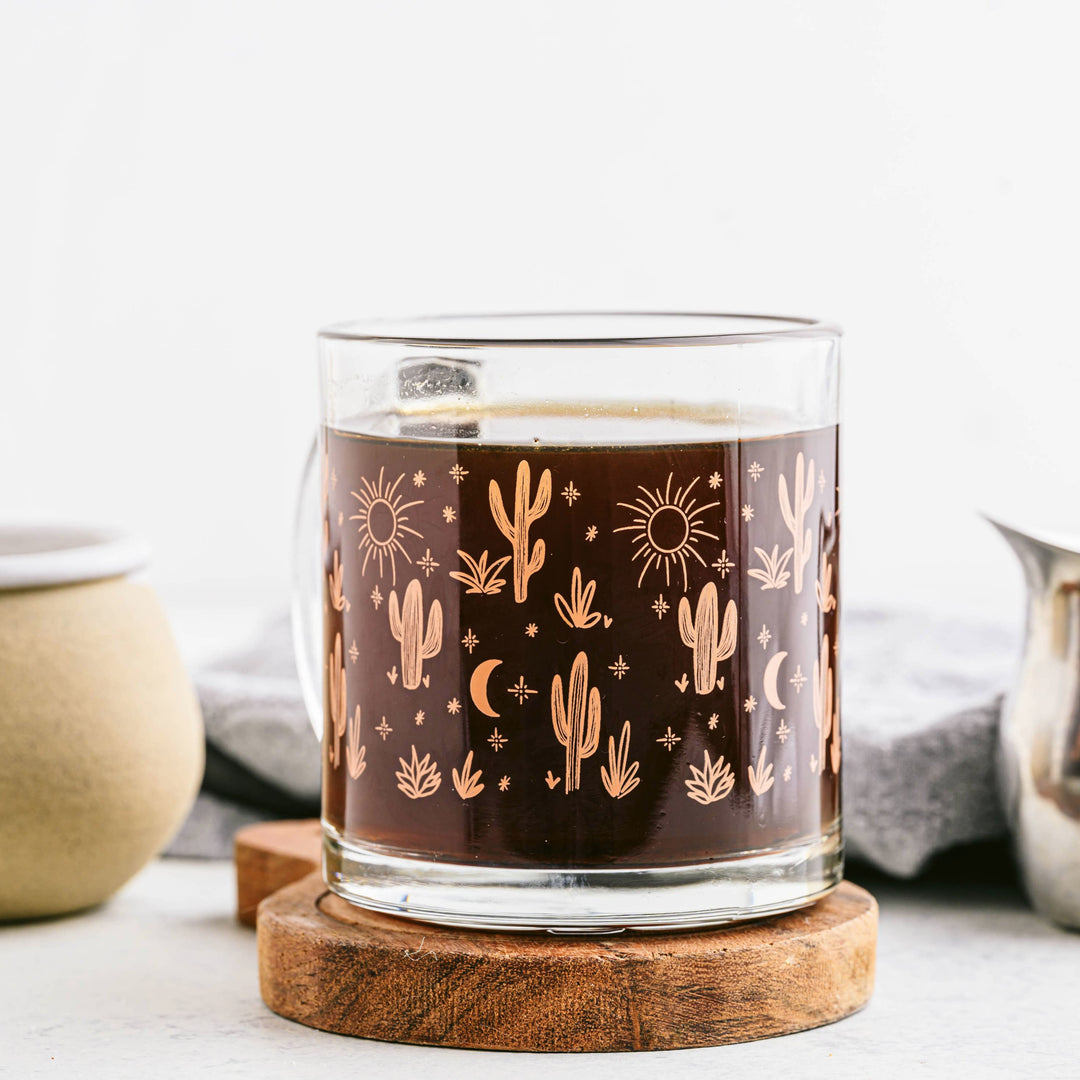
[[921, 699]]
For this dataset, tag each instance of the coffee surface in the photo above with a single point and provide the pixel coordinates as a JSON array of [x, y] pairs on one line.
[[577, 655]]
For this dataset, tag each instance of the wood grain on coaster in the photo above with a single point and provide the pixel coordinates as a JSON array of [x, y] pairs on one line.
[[331, 965]]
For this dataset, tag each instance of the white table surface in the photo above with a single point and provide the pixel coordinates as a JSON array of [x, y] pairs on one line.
[[161, 982]]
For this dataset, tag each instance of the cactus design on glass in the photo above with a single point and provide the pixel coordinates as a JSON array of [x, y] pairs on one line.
[[824, 710], [795, 516], [338, 692], [407, 627], [701, 634], [526, 563], [577, 720], [663, 744]]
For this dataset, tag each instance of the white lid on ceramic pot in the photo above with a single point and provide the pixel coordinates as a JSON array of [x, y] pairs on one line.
[[37, 556]]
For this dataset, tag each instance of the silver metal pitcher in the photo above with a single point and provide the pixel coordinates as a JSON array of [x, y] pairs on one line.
[[1039, 740]]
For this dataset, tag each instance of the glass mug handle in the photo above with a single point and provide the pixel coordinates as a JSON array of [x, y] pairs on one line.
[[307, 589]]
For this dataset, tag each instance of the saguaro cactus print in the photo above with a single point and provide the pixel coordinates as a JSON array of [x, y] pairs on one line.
[[700, 634], [577, 721], [526, 563], [407, 626]]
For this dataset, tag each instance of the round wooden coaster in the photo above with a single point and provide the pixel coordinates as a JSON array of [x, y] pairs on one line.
[[328, 964]]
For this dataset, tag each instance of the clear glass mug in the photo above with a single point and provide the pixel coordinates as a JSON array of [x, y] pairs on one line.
[[566, 618]]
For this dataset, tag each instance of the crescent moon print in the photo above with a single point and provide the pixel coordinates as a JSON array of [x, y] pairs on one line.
[[382, 527], [667, 529], [478, 686], [772, 672]]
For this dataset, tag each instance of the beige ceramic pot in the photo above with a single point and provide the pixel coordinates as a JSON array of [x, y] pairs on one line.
[[101, 740]]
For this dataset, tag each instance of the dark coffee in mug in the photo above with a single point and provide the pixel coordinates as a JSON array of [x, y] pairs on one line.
[[580, 656]]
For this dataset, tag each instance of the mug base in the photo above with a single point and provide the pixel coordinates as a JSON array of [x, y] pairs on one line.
[[751, 885]]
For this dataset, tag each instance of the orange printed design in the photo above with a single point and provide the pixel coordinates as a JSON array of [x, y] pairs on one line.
[[338, 710], [770, 679], [826, 602], [795, 515], [761, 777], [335, 580], [826, 712], [418, 778], [467, 783], [577, 719], [711, 643], [478, 576], [667, 529], [526, 562], [407, 627], [354, 752], [619, 775], [576, 613], [478, 687], [711, 783], [383, 524], [773, 574]]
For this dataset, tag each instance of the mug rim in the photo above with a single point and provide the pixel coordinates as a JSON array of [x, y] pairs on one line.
[[439, 330], [39, 555]]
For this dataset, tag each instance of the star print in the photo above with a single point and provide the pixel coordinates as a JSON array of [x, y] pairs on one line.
[[724, 564], [427, 563], [384, 729], [764, 637], [747, 513], [458, 473], [797, 679], [715, 480], [532, 630], [787, 774], [570, 493], [497, 741], [750, 704], [419, 478], [713, 721], [470, 641], [620, 667], [504, 783], [520, 690], [803, 618], [660, 606], [669, 739], [354, 652], [590, 533], [376, 597], [783, 731], [449, 513], [419, 718], [453, 706], [755, 470]]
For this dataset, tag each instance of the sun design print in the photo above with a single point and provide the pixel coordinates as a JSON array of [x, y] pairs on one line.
[[667, 528], [383, 517]]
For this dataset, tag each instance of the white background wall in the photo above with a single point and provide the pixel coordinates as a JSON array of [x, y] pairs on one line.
[[188, 190]]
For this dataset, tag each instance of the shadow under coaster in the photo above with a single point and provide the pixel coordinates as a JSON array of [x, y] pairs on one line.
[[328, 964]]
